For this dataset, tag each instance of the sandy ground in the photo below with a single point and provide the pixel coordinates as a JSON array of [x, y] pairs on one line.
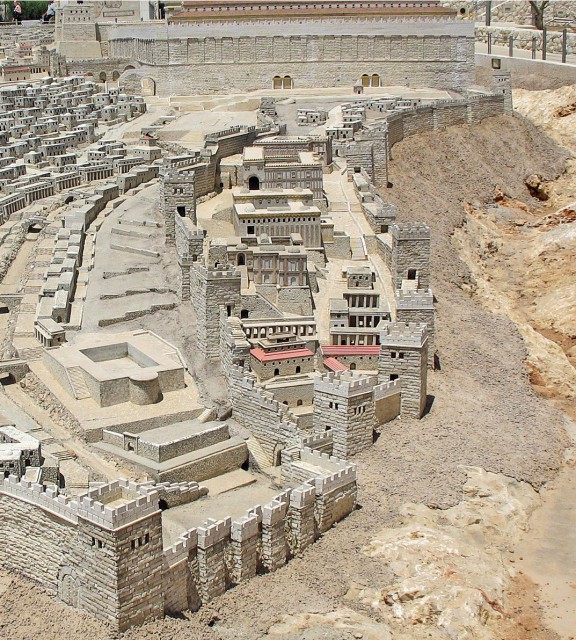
[[522, 256]]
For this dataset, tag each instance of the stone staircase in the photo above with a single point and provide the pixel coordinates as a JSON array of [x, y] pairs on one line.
[[64, 455], [32, 288], [357, 248], [31, 353], [258, 458], [78, 384]]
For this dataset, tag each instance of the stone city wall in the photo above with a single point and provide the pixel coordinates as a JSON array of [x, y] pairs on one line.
[[520, 12], [269, 420], [208, 560], [370, 145], [34, 542]]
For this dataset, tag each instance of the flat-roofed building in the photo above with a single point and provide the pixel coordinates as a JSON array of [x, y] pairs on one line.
[[278, 212]]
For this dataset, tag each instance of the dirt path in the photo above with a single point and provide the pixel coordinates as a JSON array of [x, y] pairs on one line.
[[18, 266]]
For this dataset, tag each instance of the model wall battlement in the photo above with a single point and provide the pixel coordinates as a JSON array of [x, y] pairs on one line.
[[173, 176], [339, 384], [316, 440], [387, 389], [399, 334], [303, 496], [411, 232], [414, 299], [189, 229], [46, 498], [90, 508], [274, 512], [181, 548], [245, 527], [330, 464], [224, 273], [343, 478], [213, 532], [245, 379]]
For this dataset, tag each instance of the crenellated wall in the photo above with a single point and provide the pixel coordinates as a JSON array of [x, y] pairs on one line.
[[269, 421], [110, 561]]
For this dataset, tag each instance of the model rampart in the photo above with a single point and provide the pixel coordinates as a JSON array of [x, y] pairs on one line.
[[69, 545]]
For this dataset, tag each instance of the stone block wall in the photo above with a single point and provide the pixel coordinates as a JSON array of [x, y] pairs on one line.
[[520, 12], [404, 357], [450, 114], [210, 289], [345, 407], [217, 63], [410, 253], [269, 421], [33, 542]]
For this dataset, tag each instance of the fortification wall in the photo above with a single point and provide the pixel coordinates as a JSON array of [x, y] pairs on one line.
[[206, 561], [33, 542], [371, 145], [520, 12], [270, 421]]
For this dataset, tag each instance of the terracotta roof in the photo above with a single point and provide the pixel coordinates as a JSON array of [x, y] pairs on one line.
[[350, 350], [262, 356], [334, 365]]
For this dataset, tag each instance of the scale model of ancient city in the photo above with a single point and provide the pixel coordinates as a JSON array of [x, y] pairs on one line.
[[211, 311]]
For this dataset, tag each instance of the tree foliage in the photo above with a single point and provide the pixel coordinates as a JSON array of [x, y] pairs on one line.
[[31, 9]]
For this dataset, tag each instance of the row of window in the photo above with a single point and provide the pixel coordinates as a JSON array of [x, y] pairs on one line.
[[280, 220], [134, 544], [139, 542], [300, 5]]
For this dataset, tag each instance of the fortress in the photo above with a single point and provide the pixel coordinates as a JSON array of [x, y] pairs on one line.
[[210, 46]]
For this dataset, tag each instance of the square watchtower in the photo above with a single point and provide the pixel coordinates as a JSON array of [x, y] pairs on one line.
[[177, 198], [404, 357], [120, 554], [410, 264], [344, 405]]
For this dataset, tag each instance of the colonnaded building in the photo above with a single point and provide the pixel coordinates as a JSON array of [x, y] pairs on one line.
[[225, 46]]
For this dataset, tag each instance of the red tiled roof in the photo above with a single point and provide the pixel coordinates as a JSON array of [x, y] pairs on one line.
[[351, 350], [334, 365], [262, 356]]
